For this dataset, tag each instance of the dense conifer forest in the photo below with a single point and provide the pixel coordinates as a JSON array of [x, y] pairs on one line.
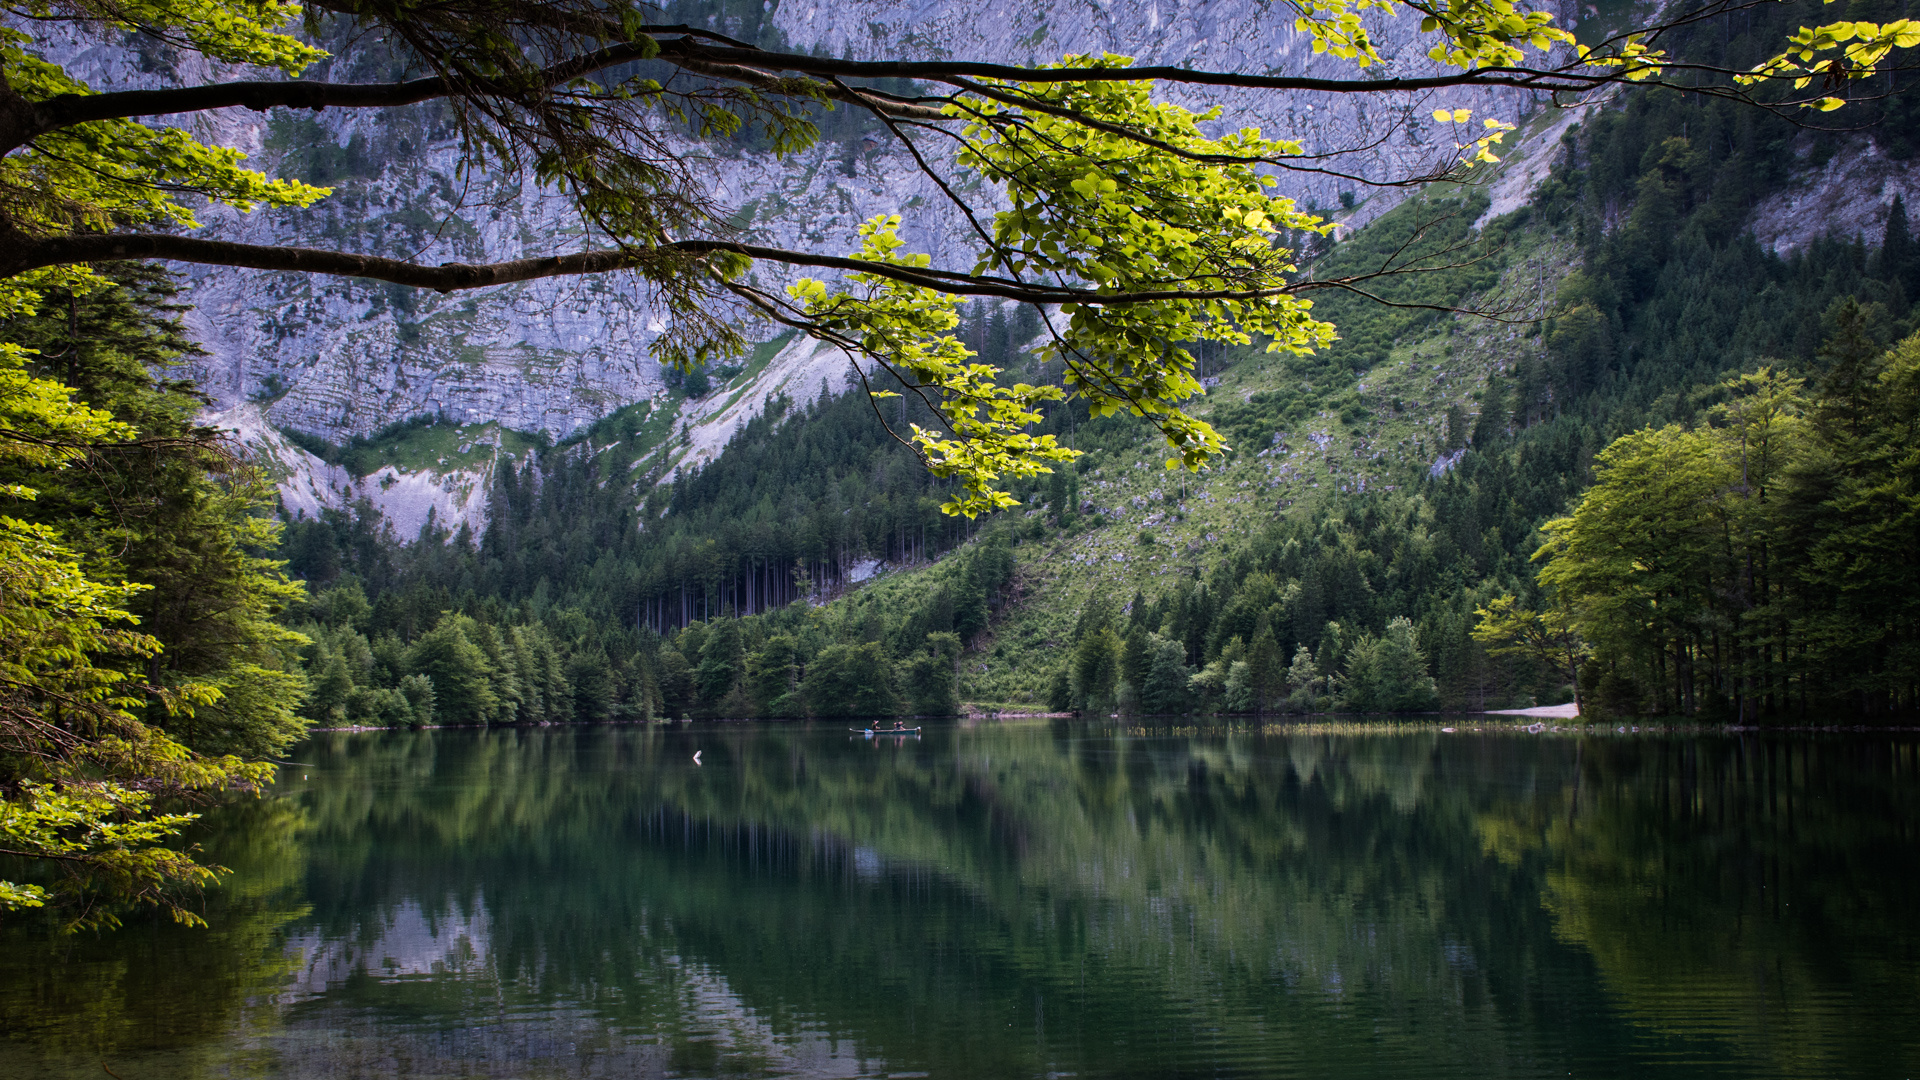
[[171, 510]]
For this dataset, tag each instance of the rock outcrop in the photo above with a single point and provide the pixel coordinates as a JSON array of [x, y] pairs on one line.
[[406, 499], [1849, 196]]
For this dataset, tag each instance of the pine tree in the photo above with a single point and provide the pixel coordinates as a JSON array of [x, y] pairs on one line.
[[1530, 392], [1057, 495], [931, 685], [1266, 667], [461, 674], [1096, 669], [1491, 425], [1303, 677], [1401, 668], [1165, 688], [675, 677], [722, 662], [1850, 361], [852, 680], [172, 510], [1136, 661], [772, 675], [1459, 431], [1896, 259]]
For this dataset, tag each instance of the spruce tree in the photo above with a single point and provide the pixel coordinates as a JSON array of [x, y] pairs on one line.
[[1850, 363], [1165, 687], [1266, 667], [1458, 429], [170, 508], [1896, 261], [1136, 660], [1302, 675], [1492, 423]]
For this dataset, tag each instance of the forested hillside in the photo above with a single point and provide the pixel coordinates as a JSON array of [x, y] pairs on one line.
[[1382, 498]]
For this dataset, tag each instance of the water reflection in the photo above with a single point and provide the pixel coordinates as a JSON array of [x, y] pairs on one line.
[[1024, 900]]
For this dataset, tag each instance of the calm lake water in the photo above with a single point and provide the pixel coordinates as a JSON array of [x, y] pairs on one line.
[[1023, 900]]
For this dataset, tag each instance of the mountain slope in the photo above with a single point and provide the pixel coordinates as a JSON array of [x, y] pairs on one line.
[[1379, 491]]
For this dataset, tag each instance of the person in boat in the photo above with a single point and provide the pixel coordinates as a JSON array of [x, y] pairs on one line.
[[899, 725]]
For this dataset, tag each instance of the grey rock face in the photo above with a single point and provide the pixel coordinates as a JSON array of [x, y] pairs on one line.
[[1850, 196], [338, 358], [1393, 135], [447, 497]]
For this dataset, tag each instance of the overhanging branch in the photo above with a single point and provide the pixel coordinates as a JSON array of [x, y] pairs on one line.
[[678, 50], [18, 255], [448, 277]]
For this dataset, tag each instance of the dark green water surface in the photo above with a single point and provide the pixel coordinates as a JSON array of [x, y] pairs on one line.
[[1023, 900]]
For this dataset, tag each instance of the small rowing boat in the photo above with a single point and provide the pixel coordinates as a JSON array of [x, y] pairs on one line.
[[887, 731]]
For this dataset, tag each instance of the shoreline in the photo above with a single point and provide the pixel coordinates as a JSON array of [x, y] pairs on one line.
[[1454, 723]]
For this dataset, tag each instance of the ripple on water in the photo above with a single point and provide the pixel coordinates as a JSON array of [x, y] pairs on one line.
[[1022, 901]]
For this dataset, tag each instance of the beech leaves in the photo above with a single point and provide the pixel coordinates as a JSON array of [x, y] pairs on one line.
[[1174, 238]]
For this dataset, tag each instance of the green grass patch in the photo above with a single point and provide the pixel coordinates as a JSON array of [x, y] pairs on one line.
[[423, 444]]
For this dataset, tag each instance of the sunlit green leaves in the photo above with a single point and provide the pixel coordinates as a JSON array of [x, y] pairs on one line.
[[1481, 147], [909, 329], [74, 810], [40, 422], [1174, 237], [1835, 54], [109, 828], [1144, 206], [82, 763], [103, 174], [107, 174], [233, 31], [1469, 33]]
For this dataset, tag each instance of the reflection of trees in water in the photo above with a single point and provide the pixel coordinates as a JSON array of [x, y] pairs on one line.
[[1280, 878], [1011, 899], [1114, 879], [1757, 891], [189, 994]]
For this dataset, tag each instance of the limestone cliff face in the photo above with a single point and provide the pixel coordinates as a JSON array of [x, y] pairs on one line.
[[453, 490], [340, 358], [406, 499], [1850, 196], [1394, 135]]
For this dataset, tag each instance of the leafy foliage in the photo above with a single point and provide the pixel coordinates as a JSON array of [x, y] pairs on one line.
[[126, 515], [1760, 563]]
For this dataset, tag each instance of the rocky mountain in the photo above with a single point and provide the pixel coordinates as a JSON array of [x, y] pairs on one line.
[[339, 359], [343, 358]]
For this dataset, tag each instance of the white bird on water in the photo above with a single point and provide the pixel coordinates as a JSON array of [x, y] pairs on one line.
[[696, 757]]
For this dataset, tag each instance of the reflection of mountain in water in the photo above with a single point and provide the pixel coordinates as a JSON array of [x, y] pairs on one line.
[[403, 942], [422, 994], [1028, 899]]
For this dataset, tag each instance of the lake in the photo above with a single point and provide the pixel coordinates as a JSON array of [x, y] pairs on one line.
[[1027, 899]]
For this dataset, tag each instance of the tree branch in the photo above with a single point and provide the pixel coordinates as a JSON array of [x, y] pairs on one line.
[[679, 50], [19, 254], [38, 118], [29, 254]]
